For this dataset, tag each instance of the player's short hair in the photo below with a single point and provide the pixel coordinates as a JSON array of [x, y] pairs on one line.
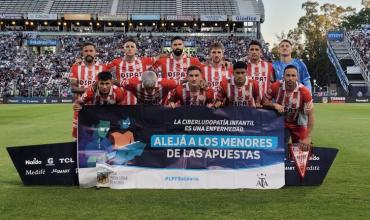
[[291, 66], [239, 65], [104, 76], [149, 79], [192, 68], [255, 42], [88, 44], [217, 45], [131, 40], [286, 41], [176, 38]]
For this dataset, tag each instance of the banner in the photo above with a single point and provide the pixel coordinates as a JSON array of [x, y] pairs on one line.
[[112, 17], [37, 100], [213, 18], [48, 164], [146, 17], [77, 17], [125, 147], [11, 16], [42, 42], [318, 166], [179, 18], [31, 16], [246, 18], [335, 36]]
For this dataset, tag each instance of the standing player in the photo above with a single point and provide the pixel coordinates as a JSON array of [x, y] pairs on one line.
[[191, 93], [285, 51], [238, 90], [83, 75], [175, 65], [149, 90], [258, 69], [216, 69], [295, 101], [130, 65]]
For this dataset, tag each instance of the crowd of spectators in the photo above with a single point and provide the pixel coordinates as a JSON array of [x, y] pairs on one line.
[[26, 72], [360, 40]]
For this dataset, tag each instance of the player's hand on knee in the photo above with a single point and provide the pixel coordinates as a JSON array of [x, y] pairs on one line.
[[77, 107]]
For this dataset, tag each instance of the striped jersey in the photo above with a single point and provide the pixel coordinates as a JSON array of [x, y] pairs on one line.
[[263, 73], [214, 75], [183, 95], [156, 97], [175, 69], [126, 70], [231, 94], [294, 102], [86, 75]]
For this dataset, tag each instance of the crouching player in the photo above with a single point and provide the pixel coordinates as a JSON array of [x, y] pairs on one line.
[[293, 100], [105, 93], [192, 92], [238, 90]]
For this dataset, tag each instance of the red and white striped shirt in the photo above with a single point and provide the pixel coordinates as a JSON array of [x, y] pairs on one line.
[[263, 73], [126, 70], [175, 69], [86, 75], [156, 97], [115, 96], [214, 75], [231, 94], [183, 95], [294, 102]]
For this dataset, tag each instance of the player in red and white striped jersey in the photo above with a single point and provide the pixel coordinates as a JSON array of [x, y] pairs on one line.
[[191, 93], [84, 75], [176, 64], [216, 69], [103, 93], [238, 90], [130, 65], [258, 69], [295, 101], [149, 90]]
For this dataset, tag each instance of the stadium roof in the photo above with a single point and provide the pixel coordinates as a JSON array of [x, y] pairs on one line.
[[129, 7]]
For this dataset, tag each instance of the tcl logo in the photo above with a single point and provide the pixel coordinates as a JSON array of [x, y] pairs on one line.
[[66, 160]]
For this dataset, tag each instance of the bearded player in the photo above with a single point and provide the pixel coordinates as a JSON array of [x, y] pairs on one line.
[[294, 100], [83, 75], [175, 65]]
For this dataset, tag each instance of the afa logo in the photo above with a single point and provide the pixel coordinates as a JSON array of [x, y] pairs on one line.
[[262, 182]]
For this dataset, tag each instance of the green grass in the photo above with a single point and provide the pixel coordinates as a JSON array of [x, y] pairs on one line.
[[345, 193]]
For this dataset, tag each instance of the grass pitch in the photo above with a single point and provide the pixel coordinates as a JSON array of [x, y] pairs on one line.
[[345, 193]]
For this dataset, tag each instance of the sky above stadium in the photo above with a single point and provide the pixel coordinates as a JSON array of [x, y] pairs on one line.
[[283, 15]]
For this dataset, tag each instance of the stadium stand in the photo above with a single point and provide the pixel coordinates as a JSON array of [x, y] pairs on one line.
[[41, 71], [23, 6], [127, 7], [81, 6]]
